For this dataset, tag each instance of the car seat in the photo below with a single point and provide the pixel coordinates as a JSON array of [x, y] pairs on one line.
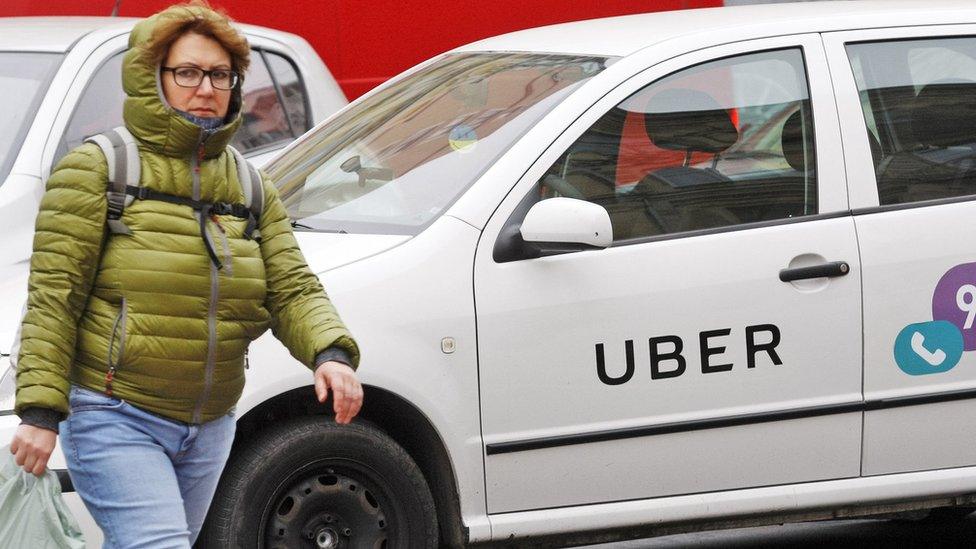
[[939, 159], [676, 198]]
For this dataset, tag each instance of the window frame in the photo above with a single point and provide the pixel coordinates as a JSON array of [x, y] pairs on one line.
[[61, 147], [259, 53], [858, 162], [831, 185], [301, 82], [117, 45], [808, 111]]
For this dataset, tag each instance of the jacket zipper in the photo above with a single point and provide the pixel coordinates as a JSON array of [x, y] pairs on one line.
[[196, 162], [120, 321]]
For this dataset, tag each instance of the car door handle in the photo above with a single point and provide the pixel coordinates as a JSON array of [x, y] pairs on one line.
[[834, 268]]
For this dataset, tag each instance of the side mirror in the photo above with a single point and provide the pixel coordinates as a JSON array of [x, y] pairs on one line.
[[556, 226]]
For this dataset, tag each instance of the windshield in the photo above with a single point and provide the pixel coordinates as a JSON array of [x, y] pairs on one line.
[[393, 162], [24, 77]]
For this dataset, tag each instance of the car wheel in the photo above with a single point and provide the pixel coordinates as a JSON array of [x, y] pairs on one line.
[[312, 483]]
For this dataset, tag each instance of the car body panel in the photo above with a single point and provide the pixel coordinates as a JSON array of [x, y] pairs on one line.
[[907, 254], [381, 298]]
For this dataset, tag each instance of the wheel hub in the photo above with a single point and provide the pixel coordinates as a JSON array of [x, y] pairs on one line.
[[326, 510], [327, 538]]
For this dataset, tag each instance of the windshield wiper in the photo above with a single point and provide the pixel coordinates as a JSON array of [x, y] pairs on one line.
[[296, 225]]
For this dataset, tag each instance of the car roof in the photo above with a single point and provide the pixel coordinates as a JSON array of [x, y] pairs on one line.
[[621, 36], [59, 34], [53, 34]]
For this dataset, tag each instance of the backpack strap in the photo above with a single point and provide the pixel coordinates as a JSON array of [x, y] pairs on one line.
[[253, 189], [122, 156]]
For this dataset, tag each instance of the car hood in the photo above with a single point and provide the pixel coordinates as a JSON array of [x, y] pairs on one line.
[[326, 251], [323, 252]]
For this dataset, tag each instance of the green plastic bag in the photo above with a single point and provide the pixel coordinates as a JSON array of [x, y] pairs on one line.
[[32, 513]]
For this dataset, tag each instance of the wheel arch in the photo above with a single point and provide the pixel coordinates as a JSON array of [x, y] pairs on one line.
[[399, 419]]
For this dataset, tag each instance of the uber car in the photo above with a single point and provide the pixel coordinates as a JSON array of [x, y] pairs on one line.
[[629, 276], [60, 80]]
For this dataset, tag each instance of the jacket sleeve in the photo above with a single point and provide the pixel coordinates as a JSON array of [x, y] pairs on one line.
[[302, 316], [68, 237]]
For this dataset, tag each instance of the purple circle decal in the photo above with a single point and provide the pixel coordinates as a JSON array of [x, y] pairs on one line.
[[955, 301]]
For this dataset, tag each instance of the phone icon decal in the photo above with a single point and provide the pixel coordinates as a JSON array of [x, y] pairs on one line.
[[928, 347], [934, 358]]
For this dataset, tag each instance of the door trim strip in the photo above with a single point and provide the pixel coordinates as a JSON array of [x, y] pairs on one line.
[[723, 422]]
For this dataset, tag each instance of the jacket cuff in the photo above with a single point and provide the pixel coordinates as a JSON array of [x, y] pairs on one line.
[[336, 354], [45, 418]]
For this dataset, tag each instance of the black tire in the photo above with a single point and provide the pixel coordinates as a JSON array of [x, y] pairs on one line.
[[351, 484]]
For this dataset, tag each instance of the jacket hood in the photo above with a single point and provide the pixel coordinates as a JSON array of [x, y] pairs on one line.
[[149, 116]]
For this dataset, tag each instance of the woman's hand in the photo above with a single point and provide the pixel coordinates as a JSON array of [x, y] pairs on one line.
[[32, 447], [347, 393]]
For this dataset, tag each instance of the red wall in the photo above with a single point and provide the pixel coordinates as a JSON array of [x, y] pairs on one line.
[[366, 42]]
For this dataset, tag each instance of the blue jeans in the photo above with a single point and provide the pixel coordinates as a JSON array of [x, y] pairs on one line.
[[146, 480]]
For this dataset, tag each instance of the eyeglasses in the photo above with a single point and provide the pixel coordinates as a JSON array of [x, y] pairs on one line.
[[191, 77]]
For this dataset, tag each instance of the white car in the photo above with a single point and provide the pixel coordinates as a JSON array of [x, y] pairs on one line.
[[628, 276], [60, 80]]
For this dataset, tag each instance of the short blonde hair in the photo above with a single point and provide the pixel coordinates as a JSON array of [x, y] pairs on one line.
[[197, 16]]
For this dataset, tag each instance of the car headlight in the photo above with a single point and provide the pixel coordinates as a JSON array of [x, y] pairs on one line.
[[8, 385]]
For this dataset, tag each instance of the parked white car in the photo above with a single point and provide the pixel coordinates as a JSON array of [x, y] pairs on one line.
[[636, 275], [60, 80]]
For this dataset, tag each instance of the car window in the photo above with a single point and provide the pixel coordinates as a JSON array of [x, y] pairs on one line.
[[24, 79], [917, 97], [266, 124], [393, 162], [718, 144], [292, 90], [100, 106]]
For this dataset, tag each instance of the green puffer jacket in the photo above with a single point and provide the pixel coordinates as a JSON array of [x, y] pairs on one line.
[[152, 303]]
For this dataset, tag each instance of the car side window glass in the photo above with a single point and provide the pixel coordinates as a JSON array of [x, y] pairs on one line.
[[265, 124], [292, 90], [917, 97], [722, 143], [99, 108]]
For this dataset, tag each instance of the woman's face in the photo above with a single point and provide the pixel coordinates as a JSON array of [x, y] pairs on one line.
[[203, 52]]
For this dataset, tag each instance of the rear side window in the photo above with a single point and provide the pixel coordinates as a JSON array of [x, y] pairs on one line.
[[715, 145], [100, 106], [267, 124], [275, 110], [917, 97], [292, 91]]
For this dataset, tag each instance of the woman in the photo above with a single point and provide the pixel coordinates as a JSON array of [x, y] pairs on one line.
[[139, 337]]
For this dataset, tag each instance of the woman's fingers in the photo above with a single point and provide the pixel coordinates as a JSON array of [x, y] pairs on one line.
[[40, 465], [357, 401], [32, 447], [347, 393], [321, 386], [339, 396]]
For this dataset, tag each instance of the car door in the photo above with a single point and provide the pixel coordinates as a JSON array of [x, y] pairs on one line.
[[906, 97], [677, 361]]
